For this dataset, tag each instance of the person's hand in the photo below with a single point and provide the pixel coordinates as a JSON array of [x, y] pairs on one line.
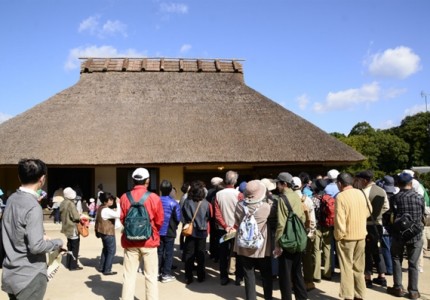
[[277, 252]]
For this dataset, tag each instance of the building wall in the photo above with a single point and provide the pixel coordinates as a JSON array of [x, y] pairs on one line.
[[107, 177], [175, 174]]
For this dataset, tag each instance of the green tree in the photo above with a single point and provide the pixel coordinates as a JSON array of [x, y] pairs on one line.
[[362, 128], [385, 152], [415, 131]]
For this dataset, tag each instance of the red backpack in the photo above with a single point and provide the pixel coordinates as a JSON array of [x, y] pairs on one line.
[[326, 218]]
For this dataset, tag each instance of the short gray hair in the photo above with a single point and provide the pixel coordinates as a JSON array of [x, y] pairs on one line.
[[231, 177]]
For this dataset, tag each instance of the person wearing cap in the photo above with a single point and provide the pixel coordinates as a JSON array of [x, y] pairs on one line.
[[352, 209], [380, 204], [24, 241], [217, 185], [323, 235], [290, 264], [332, 189], [406, 201], [310, 224], [225, 205], [416, 185], [135, 251], [387, 183], [69, 219], [251, 259]]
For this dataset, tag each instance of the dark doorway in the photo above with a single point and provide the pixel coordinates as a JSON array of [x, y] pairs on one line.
[[76, 178], [124, 182]]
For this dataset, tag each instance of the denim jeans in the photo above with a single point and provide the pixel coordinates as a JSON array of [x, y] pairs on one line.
[[413, 251], [165, 255], [108, 252], [386, 252]]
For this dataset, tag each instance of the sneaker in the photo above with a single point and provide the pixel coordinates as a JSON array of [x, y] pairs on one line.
[[110, 273], [380, 281], [369, 283], [397, 292], [167, 278]]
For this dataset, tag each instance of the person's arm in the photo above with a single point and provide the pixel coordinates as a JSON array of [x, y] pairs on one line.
[[339, 220], [282, 214], [158, 212], [177, 212], [386, 205], [108, 213], [218, 216]]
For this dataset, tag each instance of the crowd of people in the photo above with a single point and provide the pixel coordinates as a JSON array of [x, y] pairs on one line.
[[352, 222]]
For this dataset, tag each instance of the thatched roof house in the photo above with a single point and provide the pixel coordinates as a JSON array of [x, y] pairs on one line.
[[158, 112]]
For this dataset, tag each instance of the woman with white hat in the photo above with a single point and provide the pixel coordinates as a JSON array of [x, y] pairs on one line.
[[255, 256], [69, 218]]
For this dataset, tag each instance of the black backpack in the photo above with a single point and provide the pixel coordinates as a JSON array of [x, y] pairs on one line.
[[406, 228]]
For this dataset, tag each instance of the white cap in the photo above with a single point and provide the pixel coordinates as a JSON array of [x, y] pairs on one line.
[[92, 200], [216, 181], [69, 193], [140, 174], [297, 183], [410, 172], [269, 183], [332, 174]]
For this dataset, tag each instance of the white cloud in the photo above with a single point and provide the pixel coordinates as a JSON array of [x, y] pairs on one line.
[[177, 8], [94, 51], [349, 98], [185, 48], [109, 28], [391, 93], [4, 117], [415, 109], [400, 62], [303, 101], [90, 24], [113, 27]]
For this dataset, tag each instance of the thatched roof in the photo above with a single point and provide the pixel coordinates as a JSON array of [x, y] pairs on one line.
[[165, 111]]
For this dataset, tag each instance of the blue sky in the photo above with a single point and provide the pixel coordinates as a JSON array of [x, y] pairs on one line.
[[333, 62]]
